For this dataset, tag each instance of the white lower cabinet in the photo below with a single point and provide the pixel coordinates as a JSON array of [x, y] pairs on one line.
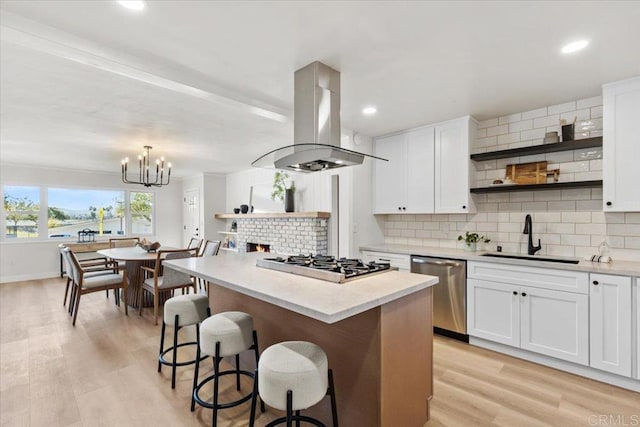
[[493, 311], [610, 324], [555, 323], [546, 321], [637, 325]]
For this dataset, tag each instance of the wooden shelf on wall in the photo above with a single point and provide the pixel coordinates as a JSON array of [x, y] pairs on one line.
[[529, 187], [273, 215], [540, 149]]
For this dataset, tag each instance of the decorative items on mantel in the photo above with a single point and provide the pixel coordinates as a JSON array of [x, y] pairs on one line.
[[284, 190]]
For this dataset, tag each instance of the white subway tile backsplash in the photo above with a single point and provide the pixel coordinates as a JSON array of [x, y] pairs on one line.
[[547, 196], [596, 112], [497, 130], [560, 228], [571, 167], [534, 206], [561, 108], [595, 165], [521, 196], [509, 138], [548, 217], [632, 242], [576, 194], [623, 229], [589, 228], [487, 123], [543, 122], [565, 205], [560, 250], [486, 142], [532, 134], [510, 118], [589, 102], [588, 176], [632, 217], [588, 205], [540, 112], [584, 114], [614, 217], [520, 126], [588, 154]]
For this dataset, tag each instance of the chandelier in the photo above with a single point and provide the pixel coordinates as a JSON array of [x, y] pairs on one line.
[[144, 173]]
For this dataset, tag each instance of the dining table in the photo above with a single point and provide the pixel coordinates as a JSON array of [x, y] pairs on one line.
[[135, 258]]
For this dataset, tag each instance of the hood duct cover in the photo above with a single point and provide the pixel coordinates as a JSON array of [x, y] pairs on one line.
[[316, 126]]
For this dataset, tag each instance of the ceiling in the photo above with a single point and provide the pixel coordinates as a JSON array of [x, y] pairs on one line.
[[210, 84]]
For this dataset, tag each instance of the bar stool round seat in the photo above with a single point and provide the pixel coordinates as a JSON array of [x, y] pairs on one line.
[[293, 376], [224, 335], [181, 311]]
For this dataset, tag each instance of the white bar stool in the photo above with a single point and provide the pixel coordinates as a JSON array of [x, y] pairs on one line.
[[224, 335], [181, 311], [293, 375]]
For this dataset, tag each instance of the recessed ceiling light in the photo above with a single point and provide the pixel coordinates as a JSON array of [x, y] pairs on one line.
[[367, 111], [136, 5], [575, 46]]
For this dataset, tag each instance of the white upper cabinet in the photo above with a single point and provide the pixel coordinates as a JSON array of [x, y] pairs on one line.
[[428, 169], [404, 184], [610, 320], [621, 140], [390, 188], [452, 165]]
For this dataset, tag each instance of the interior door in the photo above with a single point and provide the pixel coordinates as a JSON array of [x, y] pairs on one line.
[[191, 215]]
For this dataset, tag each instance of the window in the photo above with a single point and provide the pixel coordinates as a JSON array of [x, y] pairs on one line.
[[21, 209], [63, 212], [73, 210], [141, 208]]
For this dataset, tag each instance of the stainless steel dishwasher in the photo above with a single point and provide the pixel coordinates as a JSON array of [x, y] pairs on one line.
[[449, 295]]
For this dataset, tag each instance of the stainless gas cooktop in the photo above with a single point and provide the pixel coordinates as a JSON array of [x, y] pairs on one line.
[[338, 270]]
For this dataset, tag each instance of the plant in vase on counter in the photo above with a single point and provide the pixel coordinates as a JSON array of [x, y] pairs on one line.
[[284, 190], [471, 240]]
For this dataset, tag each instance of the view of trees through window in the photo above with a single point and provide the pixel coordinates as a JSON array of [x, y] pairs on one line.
[[21, 206], [72, 210]]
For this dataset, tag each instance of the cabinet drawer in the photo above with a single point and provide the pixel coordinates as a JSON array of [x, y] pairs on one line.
[[396, 260], [559, 280]]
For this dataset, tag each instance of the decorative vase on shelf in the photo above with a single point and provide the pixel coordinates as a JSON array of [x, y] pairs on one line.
[[289, 197], [471, 247]]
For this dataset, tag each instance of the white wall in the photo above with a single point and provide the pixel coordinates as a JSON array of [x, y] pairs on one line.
[[313, 193], [36, 259], [212, 191]]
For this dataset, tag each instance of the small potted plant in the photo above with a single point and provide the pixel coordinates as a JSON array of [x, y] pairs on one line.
[[471, 240], [284, 190]]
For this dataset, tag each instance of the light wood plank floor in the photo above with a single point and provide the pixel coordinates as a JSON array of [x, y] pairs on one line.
[[103, 372]]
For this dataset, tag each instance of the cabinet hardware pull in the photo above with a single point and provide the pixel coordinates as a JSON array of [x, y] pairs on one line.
[[595, 282], [399, 208], [524, 294], [609, 203], [464, 206], [515, 292]]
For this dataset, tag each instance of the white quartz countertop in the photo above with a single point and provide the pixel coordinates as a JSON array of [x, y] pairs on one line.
[[624, 268], [321, 300]]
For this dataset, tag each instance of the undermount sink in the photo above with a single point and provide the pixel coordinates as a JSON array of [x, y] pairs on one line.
[[534, 258]]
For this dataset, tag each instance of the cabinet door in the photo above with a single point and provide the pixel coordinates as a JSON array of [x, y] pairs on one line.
[[636, 290], [555, 323], [620, 145], [420, 170], [452, 167], [389, 177], [493, 311], [610, 323]]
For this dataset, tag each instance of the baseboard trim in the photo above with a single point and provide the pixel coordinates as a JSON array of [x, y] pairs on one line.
[[584, 371], [25, 277]]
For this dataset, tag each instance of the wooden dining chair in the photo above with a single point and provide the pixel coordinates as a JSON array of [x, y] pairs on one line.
[[161, 280], [88, 280], [123, 242], [95, 264], [210, 248], [195, 243]]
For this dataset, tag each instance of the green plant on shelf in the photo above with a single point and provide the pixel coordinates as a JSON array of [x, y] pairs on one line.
[[281, 183]]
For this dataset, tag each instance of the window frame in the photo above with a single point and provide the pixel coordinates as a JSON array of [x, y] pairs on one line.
[[43, 213]]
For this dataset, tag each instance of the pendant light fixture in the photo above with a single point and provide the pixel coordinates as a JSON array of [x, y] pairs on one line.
[[144, 171]]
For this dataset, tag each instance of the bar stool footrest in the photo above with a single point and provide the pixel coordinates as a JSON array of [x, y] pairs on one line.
[[165, 362], [296, 418], [222, 405]]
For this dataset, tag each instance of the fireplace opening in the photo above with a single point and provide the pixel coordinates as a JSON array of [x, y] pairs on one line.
[[258, 247]]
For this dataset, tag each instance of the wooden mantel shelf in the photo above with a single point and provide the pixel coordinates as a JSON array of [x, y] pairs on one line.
[[273, 215]]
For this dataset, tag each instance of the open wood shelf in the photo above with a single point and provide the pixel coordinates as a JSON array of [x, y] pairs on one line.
[[540, 149], [526, 187], [274, 215]]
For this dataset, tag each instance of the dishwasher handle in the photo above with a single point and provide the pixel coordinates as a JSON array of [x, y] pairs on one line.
[[435, 262]]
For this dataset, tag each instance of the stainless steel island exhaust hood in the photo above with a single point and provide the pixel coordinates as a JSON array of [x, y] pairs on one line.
[[316, 126]]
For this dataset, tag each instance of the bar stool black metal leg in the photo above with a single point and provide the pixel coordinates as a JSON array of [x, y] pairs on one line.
[[254, 397], [216, 381], [289, 408], [257, 356], [164, 327], [297, 418], [332, 395], [175, 352], [238, 372], [195, 373]]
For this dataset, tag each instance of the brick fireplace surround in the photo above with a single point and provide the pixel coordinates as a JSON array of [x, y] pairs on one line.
[[286, 233]]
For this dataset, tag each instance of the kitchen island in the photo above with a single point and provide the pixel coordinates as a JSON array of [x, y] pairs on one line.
[[376, 331]]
